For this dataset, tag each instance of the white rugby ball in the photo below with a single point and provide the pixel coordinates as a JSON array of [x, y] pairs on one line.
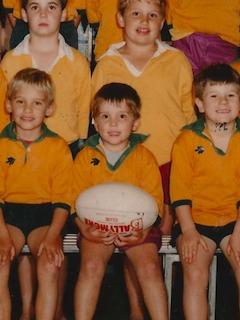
[[117, 207]]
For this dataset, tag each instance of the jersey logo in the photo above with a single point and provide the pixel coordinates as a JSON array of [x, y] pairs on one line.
[[95, 161], [199, 149], [10, 160]]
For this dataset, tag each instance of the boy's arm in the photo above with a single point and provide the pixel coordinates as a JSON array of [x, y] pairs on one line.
[[190, 239], [61, 187], [234, 241], [83, 89], [181, 195], [98, 77], [52, 243], [93, 13], [4, 116], [7, 249], [83, 179], [150, 181], [185, 87]]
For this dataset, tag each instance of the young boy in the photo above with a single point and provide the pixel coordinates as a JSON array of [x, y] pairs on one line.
[[205, 185], [120, 157], [46, 49], [35, 188], [20, 28]]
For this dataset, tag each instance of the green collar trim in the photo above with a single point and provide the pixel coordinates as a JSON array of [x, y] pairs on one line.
[[134, 140], [199, 126], [9, 132]]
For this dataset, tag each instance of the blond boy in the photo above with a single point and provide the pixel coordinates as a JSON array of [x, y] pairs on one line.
[[35, 188]]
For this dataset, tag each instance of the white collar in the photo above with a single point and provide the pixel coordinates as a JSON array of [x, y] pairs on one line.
[[113, 51], [64, 50]]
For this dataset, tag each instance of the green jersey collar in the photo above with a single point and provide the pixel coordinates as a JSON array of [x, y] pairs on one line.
[[199, 126], [134, 140], [9, 132]]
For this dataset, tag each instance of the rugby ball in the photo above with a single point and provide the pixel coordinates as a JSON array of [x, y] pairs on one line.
[[117, 207]]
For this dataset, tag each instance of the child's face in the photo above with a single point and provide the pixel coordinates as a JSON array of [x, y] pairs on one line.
[[43, 16], [142, 21], [220, 103], [114, 123], [28, 107]]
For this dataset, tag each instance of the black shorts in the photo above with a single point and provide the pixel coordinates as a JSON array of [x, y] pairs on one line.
[[216, 234], [28, 217]]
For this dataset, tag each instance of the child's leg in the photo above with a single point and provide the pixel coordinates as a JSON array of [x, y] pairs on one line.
[[59, 314], [94, 259], [195, 277], [232, 261], [134, 292], [5, 301], [145, 261], [27, 281], [47, 276]]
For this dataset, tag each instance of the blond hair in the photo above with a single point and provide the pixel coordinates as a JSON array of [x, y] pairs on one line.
[[34, 77]]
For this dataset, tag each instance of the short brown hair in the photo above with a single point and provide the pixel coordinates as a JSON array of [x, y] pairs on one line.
[[24, 4], [215, 74], [33, 77], [123, 4], [116, 92]]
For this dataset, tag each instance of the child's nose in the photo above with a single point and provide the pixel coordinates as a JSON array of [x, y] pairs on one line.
[[223, 99], [145, 18], [43, 12], [113, 122], [28, 108]]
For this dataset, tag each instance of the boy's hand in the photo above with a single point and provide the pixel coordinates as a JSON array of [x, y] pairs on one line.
[[91, 233], [7, 249], [233, 246], [53, 250], [135, 237], [190, 241]]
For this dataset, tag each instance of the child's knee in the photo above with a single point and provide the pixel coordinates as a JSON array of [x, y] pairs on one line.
[[93, 267], [149, 269], [196, 276], [47, 270]]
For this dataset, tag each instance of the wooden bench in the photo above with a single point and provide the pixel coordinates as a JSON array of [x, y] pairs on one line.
[[170, 256]]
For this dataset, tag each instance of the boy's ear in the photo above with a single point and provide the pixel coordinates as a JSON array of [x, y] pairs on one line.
[[24, 15], [199, 104], [50, 109], [8, 106], [64, 15], [120, 20], [95, 124], [136, 125]]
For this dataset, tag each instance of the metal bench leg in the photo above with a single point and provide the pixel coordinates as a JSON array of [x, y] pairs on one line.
[[212, 288], [169, 260]]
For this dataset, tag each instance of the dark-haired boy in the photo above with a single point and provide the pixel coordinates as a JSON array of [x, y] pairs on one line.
[[205, 185], [119, 157]]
